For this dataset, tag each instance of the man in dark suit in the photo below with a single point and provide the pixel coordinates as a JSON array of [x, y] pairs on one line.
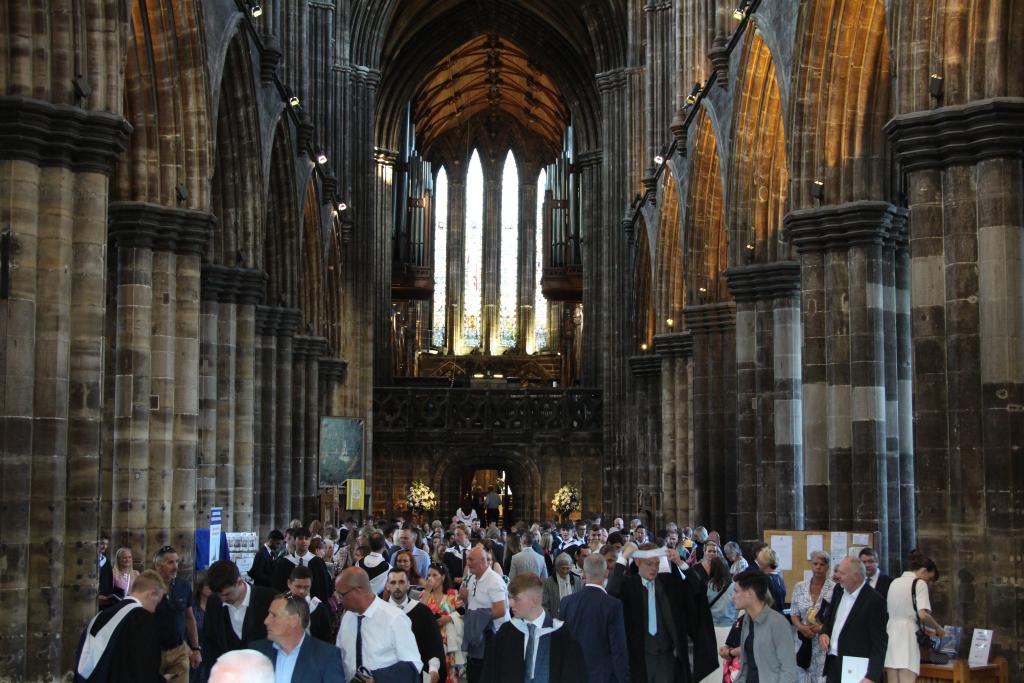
[[595, 619], [876, 579], [855, 626], [120, 644], [301, 557], [262, 571], [319, 618], [234, 613], [297, 657], [424, 625], [533, 646], [662, 613]]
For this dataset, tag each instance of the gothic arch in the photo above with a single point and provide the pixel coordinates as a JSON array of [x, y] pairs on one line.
[[758, 177], [166, 103], [669, 292], [705, 251], [520, 467], [311, 279], [841, 88], [237, 199], [283, 234], [643, 301]]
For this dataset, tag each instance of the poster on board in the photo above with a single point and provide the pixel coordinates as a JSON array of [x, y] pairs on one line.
[[243, 546], [341, 449]]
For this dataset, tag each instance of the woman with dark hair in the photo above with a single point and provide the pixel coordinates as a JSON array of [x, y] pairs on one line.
[[200, 592], [440, 596], [719, 591], [766, 640], [403, 560], [903, 656]]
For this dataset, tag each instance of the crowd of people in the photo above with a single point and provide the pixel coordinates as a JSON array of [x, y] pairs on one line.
[[388, 600]]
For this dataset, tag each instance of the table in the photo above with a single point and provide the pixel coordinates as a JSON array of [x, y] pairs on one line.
[[958, 672]]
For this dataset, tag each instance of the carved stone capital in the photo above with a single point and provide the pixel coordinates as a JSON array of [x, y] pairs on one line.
[[589, 159], [679, 131], [764, 280], [718, 54], [674, 345], [266, 320], [332, 369], [61, 135], [164, 228], [959, 134], [270, 57], [710, 317], [842, 225], [647, 365], [232, 285]]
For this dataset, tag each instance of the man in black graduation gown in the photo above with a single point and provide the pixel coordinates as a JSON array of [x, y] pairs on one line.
[[120, 644], [299, 585], [658, 644], [533, 647], [424, 625], [234, 613], [301, 557], [262, 571]]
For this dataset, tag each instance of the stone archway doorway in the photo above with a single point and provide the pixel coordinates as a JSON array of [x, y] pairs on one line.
[[468, 470]]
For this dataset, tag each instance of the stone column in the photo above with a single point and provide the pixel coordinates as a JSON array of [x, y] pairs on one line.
[[645, 475], [589, 165], [332, 375], [315, 348], [456, 261], [211, 283], [768, 409], [300, 358], [491, 261], [527, 279], [661, 66], [716, 476], [384, 170], [964, 188], [287, 323], [849, 251], [251, 285], [266, 471], [227, 396], [675, 350]]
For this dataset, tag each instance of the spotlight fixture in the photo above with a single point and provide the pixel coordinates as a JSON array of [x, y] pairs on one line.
[[321, 157], [740, 13], [692, 97], [670, 322], [750, 246], [643, 347], [702, 290], [255, 9], [478, 375], [291, 97], [342, 206], [658, 159], [936, 86], [498, 375], [818, 190]]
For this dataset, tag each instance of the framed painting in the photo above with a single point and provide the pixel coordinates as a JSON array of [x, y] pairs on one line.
[[342, 441]]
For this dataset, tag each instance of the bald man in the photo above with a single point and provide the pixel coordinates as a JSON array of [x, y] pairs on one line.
[[486, 601], [375, 636]]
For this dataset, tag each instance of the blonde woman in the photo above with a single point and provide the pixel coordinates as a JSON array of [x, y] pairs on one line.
[[808, 598], [768, 562], [124, 574]]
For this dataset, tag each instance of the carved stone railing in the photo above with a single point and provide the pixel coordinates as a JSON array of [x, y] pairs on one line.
[[400, 411]]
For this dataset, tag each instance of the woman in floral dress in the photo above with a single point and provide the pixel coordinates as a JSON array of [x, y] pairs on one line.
[[807, 615], [440, 596]]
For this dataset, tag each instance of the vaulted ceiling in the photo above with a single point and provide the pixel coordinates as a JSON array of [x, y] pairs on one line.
[[489, 74]]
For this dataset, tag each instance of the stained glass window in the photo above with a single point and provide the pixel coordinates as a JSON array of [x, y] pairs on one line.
[[540, 304], [509, 263], [440, 257], [472, 290]]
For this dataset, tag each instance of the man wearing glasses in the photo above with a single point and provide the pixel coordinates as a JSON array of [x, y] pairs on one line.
[[175, 622]]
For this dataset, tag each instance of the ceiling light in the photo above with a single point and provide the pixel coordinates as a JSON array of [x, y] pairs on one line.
[[935, 86], [255, 9], [702, 290], [342, 206], [670, 322], [750, 246], [321, 158], [293, 99], [692, 97], [659, 160], [643, 347], [818, 190]]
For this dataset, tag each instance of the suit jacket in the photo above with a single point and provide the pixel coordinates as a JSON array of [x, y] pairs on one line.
[[505, 662], [428, 636], [320, 587], [262, 571], [595, 619], [133, 653], [882, 587], [863, 633], [318, 662], [219, 637], [527, 561], [106, 580], [320, 623], [552, 599], [690, 618]]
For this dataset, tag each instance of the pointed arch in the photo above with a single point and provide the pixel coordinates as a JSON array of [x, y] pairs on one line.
[[705, 252], [440, 261], [508, 278], [759, 174], [282, 221], [669, 292], [311, 276], [237, 196], [643, 306], [472, 286], [166, 103], [841, 92]]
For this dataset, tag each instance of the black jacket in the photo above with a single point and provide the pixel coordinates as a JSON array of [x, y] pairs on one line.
[[219, 637], [133, 653], [884, 581], [691, 619], [320, 623], [262, 571], [428, 636], [320, 588], [863, 634], [504, 661]]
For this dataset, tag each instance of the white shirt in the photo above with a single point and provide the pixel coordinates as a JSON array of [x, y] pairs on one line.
[[524, 626], [294, 559], [433, 664], [873, 580], [600, 588], [387, 638], [237, 614], [486, 591], [842, 612]]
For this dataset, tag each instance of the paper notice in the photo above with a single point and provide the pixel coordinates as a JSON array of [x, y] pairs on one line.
[[838, 545], [862, 539], [783, 547], [981, 644], [815, 542]]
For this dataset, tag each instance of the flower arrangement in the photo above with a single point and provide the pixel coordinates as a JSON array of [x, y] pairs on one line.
[[566, 500], [420, 497]]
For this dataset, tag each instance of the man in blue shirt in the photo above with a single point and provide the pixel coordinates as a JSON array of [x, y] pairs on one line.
[[297, 658], [175, 621]]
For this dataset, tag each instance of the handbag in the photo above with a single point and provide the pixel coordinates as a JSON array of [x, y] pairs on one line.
[[923, 639], [720, 594], [803, 655]]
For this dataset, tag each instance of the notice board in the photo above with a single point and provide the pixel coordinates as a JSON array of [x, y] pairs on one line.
[[794, 547]]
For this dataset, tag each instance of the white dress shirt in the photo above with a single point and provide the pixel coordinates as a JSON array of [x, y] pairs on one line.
[[842, 612], [237, 614], [486, 591], [387, 638]]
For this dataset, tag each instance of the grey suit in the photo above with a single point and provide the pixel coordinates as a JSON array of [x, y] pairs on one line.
[[551, 595], [527, 561]]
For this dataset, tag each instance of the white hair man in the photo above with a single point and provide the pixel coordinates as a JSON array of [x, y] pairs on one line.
[[242, 666]]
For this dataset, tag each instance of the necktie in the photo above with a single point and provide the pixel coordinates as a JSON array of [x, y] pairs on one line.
[[652, 609], [302, 562], [359, 641], [531, 649]]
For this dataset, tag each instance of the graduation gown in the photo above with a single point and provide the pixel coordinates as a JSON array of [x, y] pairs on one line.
[[132, 654], [505, 661]]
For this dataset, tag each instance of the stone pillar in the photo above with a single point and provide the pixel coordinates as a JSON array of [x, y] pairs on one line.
[[964, 188], [315, 348], [332, 375], [266, 453], [675, 350], [251, 285], [850, 256], [300, 358], [227, 347], [768, 409], [456, 273], [589, 165], [645, 475], [528, 283], [211, 282], [491, 261], [661, 66], [716, 477], [287, 323], [384, 170]]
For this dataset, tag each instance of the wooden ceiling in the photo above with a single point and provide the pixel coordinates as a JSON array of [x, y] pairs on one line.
[[485, 75]]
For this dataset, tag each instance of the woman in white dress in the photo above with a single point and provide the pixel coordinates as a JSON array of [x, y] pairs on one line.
[[805, 609], [903, 656]]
